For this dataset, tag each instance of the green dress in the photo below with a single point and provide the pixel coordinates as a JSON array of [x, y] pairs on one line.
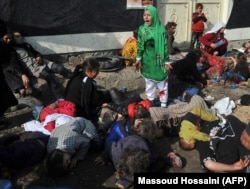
[[152, 49]]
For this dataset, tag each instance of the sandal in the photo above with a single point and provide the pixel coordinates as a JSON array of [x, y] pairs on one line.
[[176, 161]]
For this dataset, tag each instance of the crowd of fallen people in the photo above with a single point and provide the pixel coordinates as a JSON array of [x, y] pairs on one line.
[[126, 126]]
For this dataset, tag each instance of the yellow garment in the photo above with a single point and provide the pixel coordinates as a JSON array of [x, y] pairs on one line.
[[129, 50], [190, 132], [203, 114]]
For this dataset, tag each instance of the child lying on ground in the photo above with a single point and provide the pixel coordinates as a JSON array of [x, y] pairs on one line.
[[142, 141], [190, 127]]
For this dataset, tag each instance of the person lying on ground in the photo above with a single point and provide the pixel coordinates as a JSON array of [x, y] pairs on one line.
[[190, 127], [141, 140], [51, 116], [125, 127], [125, 104], [232, 135], [69, 144], [169, 118], [239, 73], [22, 150], [38, 66]]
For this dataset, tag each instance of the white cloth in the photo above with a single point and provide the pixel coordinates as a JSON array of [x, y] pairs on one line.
[[217, 27], [151, 88], [224, 106], [58, 118], [35, 125]]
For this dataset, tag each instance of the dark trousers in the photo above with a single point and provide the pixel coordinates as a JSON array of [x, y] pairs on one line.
[[17, 151], [195, 39], [48, 74]]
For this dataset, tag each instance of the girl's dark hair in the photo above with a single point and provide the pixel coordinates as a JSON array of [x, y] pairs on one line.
[[241, 57], [54, 164], [133, 160], [88, 64]]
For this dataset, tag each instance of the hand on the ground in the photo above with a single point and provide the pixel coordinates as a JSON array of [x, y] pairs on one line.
[[99, 161], [175, 160], [241, 164]]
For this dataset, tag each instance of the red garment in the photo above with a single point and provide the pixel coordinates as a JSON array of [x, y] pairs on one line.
[[199, 25], [132, 106], [62, 107], [209, 38], [216, 63]]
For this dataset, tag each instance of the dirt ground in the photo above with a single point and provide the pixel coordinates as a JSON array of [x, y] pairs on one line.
[[88, 175]]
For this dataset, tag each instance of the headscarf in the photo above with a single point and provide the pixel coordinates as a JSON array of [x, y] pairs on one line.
[[217, 27], [157, 29]]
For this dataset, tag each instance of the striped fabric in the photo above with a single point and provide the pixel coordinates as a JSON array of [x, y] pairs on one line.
[[174, 112]]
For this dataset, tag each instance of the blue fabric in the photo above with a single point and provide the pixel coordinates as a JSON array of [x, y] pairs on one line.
[[230, 75], [5, 184], [219, 43], [191, 91], [115, 133], [36, 112]]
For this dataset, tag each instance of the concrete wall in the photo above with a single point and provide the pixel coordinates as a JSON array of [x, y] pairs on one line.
[[169, 10]]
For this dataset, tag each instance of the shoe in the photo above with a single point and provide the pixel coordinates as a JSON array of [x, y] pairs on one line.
[[163, 104]]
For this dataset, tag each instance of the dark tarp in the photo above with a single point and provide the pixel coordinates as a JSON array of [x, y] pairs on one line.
[[55, 17], [240, 15]]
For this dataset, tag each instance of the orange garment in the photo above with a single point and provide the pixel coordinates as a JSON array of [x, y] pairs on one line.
[[129, 50]]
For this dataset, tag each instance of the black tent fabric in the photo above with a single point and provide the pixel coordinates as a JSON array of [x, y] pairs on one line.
[[239, 17], [57, 17]]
